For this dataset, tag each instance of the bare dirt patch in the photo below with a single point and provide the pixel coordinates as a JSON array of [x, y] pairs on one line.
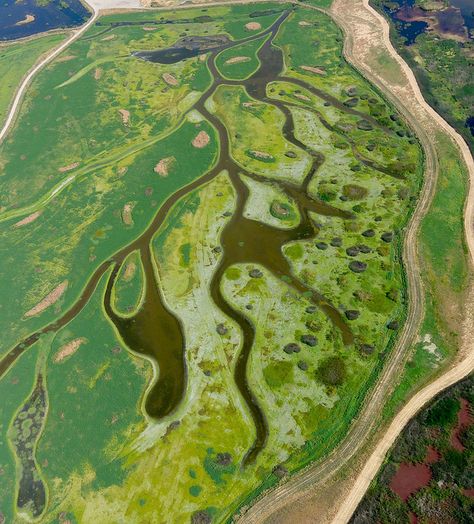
[[27, 20], [170, 79], [129, 272], [303, 23], [261, 154], [164, 165], [253, 26], [48, 300], [317, 70], [107, 38], [28, 219], [201, 140], [302, 97], [127, 214], [149, 28], [125, 116], [68, 349], [98, 73], [237, 60], [65, 58], [69, 167]]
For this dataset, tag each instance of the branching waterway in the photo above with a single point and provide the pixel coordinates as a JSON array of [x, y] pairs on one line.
[[155, 331]]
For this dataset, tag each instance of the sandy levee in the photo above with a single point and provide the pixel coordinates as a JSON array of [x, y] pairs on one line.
[[68, 349], [28, 219], [50, 299], [201, 140]]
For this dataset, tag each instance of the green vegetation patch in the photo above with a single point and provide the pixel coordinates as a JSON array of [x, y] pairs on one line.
[[239, 62]]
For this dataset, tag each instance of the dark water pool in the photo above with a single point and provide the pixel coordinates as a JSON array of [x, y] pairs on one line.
[[408, 30], [55, 14], [448, 19]]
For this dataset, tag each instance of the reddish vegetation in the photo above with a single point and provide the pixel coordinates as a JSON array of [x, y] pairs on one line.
[[469, 492], [68, 167], [201, 140], [409, 478], [432, 455], [48, 300], [413, 518], [464, 420], [28, 219]]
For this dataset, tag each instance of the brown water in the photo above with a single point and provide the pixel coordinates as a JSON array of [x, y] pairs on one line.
[[154, 330]]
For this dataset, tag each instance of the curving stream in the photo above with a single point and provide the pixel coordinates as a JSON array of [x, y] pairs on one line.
[[154, 330]]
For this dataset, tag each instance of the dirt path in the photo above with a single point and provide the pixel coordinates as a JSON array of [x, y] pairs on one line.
[[377, 30], [15, 105], [367, 39]]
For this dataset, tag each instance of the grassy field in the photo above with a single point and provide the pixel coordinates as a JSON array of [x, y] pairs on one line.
[[104, 141], [15, 61]]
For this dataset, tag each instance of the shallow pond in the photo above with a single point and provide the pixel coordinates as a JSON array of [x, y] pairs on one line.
[[26, 18]]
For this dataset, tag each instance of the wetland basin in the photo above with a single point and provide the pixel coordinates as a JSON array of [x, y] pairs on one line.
[[27, 18]]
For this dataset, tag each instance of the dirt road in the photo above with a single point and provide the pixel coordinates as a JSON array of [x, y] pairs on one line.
[[367, 39]]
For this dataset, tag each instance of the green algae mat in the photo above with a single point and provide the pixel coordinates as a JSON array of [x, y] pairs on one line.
[[201, 214]]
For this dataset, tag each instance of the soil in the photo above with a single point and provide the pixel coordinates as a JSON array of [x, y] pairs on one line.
[[164, 165], [201, 140], [170, 79], [125, 116], [316, 70], [27, 20], [69, 167], [127, 214], [65, 58], [253, 26], [28, 219], [129, 272], [261, 154], [302, 97], [237, 60], [68, 349], [48, 300], [98, 73]]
